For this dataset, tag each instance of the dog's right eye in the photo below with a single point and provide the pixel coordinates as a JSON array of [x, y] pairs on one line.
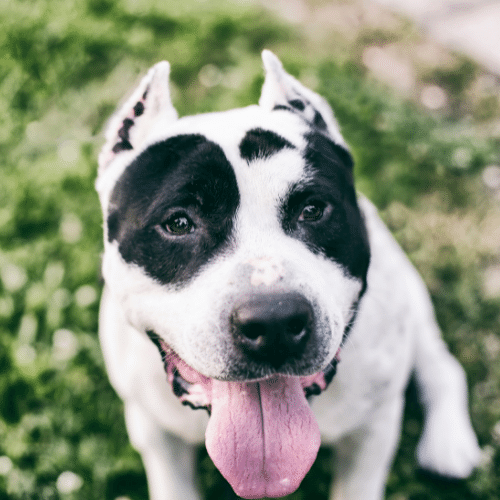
[[178, 224]]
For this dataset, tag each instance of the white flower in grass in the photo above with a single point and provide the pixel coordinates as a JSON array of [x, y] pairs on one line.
[[68, 481], [5, 465]]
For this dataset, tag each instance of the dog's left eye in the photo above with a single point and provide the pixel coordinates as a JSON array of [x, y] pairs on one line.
[[312, 212], [178, 224]]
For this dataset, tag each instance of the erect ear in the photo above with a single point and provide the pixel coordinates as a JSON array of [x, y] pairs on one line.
[[282, 91], [130, 125]]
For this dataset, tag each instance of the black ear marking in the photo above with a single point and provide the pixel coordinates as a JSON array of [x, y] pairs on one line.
[[127, 124], [122, 146], [139, 108], [129, 127], [123, 132], [306, 110], [319, 121], [297, 104]]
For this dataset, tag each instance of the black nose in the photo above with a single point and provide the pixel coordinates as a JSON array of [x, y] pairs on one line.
[[273, 328]]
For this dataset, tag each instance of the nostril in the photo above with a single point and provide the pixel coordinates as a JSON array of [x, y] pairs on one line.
[[297, 325], [252, 331]]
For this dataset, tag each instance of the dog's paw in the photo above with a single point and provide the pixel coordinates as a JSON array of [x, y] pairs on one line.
[[448, 445]]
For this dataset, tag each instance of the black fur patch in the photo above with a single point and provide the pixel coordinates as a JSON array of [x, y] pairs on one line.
[[260, 144], [123, 145], [123, 133], [297, 104], [185, 174], [138, 108], [319, 121], [340, 234]]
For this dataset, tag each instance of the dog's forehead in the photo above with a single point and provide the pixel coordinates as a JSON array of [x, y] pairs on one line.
[[264, 148], [229, 128]]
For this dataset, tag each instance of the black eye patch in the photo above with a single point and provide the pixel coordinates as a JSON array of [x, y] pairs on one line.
[[185, 172], [261, 144], [340, 233]]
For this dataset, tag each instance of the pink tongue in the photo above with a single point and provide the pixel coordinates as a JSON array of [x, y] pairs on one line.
[[262, 436]]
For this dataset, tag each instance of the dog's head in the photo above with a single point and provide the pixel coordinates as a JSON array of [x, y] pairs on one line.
[[235, 241]]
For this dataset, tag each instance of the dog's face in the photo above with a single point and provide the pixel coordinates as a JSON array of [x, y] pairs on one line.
[[234, 239]]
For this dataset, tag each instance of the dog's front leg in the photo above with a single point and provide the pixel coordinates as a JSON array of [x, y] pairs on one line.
[[169, 461], [363, 458]]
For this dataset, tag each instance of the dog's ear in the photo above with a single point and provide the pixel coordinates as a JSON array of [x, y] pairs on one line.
[[129, 127], [282, 91]]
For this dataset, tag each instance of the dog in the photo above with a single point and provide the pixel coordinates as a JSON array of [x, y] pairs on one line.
[[245, 276]]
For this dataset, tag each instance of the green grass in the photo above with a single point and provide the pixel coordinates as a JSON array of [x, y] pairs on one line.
[[66, 64]]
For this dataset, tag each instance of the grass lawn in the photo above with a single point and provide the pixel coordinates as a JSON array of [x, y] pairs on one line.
[[65, 66]]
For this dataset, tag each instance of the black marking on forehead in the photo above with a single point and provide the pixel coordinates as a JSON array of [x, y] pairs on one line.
[[185, 174], [341, 234], [260, 144]]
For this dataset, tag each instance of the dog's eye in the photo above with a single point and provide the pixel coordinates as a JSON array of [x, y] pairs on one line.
[[179, 224], [312, 212]]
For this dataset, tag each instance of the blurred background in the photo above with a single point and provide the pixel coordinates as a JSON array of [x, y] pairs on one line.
[[423, 121]]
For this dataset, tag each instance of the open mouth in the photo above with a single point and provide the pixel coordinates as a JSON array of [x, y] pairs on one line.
[[262, 435], [194, 389]]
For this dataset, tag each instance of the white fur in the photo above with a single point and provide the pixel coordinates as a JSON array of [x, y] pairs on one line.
[[395, 332]]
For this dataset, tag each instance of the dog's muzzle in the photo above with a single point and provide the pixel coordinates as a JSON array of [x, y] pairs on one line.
[[259, 430]]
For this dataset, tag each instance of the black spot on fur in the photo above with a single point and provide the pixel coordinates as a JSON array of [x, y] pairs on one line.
[[122, 146], [319, 121], [297, 104], [123, 133], [185, 174], [259, 144], [340, 234], [139, 109], [113, 225]]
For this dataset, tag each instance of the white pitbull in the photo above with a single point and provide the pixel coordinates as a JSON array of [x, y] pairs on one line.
[[235, 244]]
